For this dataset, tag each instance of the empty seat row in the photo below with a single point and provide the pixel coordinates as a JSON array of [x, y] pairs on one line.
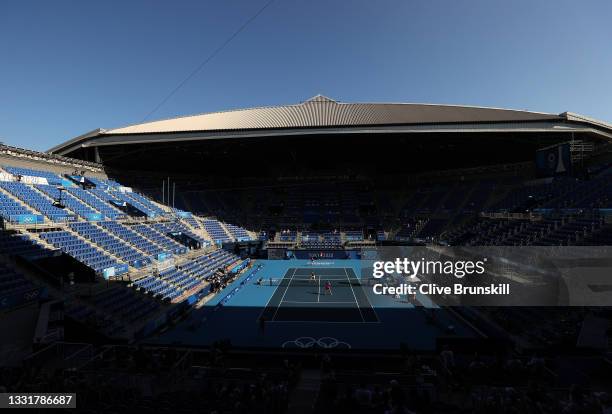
[[354, 235], [74, 204], [164, 241], [10, 207], [51, 178], [12, 282], [238, 232], [178, 227], [21, 245], [140, 202], [110, 243], [130, 236], [102, 183], [80, 250], [103, 207], [192, 222], [205, 266], [36, 200], [215, 231], [158, 287]]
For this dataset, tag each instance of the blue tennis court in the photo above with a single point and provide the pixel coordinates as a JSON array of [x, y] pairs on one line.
[[298, 312], [315, 294]]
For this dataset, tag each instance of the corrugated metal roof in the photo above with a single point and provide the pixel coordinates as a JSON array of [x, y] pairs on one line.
[[321, 111]]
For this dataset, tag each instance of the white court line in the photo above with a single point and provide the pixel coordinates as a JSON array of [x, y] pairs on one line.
[[367, 300], [354, 296], [377, 322], [283, 297], [328, 278], [263, 310], [324, 303]]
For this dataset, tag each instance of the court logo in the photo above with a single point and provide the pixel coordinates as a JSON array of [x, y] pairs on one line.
[[306, 342]]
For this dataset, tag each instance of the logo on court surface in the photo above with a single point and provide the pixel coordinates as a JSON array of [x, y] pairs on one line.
[[305, 342]]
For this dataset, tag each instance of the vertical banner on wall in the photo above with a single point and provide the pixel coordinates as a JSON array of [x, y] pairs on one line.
[[554, 160]]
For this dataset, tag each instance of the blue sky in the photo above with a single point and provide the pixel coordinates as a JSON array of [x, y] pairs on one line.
[[67, 67]]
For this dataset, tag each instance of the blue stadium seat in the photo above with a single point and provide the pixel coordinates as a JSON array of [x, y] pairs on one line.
[[36, 200], [16, 244], [162, 240], [130, 236], [110, 243], [80, 250], [238, 233], [140, 202], [215, 231], [12, 282], [71, 202], [10, 207], [51, 178], [178, 227], [102, 206]]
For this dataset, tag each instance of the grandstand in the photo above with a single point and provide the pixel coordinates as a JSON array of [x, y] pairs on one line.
[[441, 165], [230, 265], [75, 221]]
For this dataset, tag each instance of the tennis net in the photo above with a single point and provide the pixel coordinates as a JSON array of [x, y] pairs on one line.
[[307, 282]]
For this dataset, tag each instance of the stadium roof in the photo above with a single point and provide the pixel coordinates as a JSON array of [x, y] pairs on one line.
[[322, 112]]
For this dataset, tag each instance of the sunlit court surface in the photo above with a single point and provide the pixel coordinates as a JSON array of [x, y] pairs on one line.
[[320, 294], [279, 301]]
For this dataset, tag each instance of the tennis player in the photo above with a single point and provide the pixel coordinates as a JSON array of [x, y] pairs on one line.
[[313, 277]]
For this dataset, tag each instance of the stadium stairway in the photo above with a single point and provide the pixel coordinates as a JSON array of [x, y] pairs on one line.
[[238, 233], [192, 223], [225, 229], [216, 231]]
